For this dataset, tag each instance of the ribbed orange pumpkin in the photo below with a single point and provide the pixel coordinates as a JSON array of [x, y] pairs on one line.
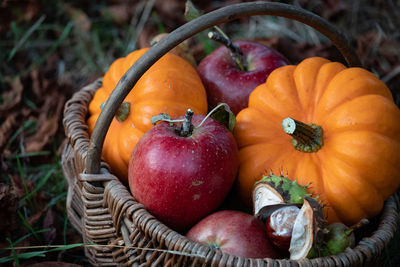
[[170, 86], [353, 146]]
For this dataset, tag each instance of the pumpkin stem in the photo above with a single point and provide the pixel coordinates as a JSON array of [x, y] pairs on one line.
[[123, 111], [236, 52], [306, 137], [187, 125]]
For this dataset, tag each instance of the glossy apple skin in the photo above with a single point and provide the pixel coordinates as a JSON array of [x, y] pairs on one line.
[[225, 82], [182, 179], [236, 233]]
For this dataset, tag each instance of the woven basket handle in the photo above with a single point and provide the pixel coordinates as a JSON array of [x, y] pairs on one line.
[[189, 29]]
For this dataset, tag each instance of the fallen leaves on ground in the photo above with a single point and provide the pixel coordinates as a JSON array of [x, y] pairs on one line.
[[8, 209]]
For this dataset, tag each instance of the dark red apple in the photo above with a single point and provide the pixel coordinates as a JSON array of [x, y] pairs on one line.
[[182, 177], [234, 232], [226, 82]]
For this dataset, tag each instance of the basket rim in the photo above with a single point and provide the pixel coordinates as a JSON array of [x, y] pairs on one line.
[[366, 249]]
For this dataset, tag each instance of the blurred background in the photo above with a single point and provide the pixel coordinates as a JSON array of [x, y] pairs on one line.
[[50, 49]]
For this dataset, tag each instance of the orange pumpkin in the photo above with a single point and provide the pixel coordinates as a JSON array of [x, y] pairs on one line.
[[170, 86], [342, 136]]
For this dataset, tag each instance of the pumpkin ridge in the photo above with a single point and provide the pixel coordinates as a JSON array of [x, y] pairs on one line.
[[277, 98], [358, 110], [260, 168], [290, 154], [266, 111], [343, 212], [325, 75], [340, 155], [366, 207], [316, 158], [331, 199], [298, 97], [303, 73], [357, 86]]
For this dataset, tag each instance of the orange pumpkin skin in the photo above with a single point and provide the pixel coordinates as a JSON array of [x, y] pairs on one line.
[[358, 166], [170, 86]]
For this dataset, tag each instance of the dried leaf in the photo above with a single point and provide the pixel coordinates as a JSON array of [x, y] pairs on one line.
[[12, 97], [171, 12], [81, 19], [26, 10], [35, 217], [119, 13], [333, 8], [327, 9], [47, 122], [19, 187], [146, 35], [183, 49], [7, 128], [8, 208], [36, 85], [48, 222]]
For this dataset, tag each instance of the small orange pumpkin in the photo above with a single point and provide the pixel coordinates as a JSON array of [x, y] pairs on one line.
[[326, 125], [170, 86]]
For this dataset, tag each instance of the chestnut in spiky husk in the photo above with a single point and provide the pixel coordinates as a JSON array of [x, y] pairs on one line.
[[265, 195], [289, 191], [274, 190], [276, 202]]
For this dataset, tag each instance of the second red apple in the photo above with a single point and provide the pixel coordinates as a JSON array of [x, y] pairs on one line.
[[227, 83]]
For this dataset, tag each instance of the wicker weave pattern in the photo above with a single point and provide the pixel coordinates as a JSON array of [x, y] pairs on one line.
[[101, 208]]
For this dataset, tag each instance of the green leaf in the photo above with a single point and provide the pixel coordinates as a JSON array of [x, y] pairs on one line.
[[224, 115], [191, 12]]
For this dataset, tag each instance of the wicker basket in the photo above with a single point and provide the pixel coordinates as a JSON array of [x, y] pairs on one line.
[[102, 209]]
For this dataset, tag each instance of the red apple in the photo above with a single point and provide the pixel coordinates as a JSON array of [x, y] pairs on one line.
[[234, 232], [181, 179], [226, 83]]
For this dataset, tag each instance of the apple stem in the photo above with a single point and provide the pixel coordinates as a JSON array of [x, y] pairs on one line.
[[187, 125], [235, 50]]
